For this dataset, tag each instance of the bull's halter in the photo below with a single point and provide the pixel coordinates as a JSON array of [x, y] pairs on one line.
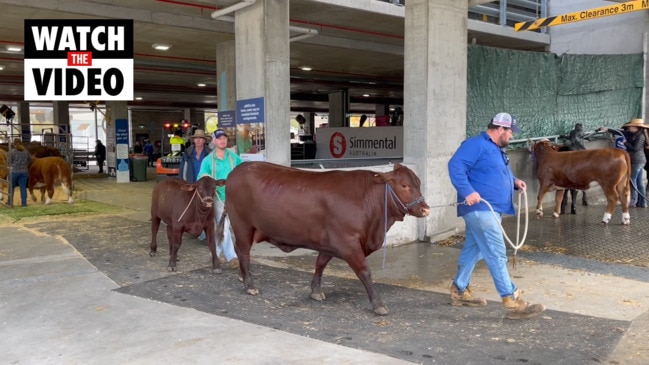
[[202, 199], [396, 199], [405, 207]]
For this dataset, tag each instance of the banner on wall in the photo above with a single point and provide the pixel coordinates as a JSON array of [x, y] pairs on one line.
[[251, 134], [343, 143], [121, 150]]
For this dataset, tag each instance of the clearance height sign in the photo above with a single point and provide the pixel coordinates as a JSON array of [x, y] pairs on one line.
[[78, 59]]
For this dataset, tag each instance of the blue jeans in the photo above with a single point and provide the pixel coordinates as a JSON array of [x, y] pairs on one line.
[[484, 240], [227, 246], [19, 179], [636, 180]]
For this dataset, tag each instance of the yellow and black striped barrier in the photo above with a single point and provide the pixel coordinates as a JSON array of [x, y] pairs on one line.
[[578, 16]]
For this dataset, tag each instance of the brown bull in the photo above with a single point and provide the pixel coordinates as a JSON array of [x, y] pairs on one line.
[[184, 207], [609, 167], [47, 172], [337, 213]]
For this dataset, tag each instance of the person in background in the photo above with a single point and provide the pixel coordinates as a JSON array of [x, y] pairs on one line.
[[190, 163], [479, 170], [100, 155], [177, 143], [20, 162], [634, 144], [577, 139], [148, 151], [244, 142], [218, 164], [301, 121], [137, 148]]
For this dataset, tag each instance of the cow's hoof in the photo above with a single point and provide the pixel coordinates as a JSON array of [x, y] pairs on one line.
[[171, 269], [604, 222], [626, 223], [217, 271], [152, 253], [573, 211], [381, 311], [252, 291], [555, 214], [318, 296]]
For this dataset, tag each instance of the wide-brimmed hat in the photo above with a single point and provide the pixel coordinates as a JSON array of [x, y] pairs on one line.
[[199, 133], [636, 122]]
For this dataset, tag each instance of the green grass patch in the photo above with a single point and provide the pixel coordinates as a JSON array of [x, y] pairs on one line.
[[39, 211]]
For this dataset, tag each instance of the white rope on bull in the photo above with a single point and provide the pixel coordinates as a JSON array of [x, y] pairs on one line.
[[519, 241]]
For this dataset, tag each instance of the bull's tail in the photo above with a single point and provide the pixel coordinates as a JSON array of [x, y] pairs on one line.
[[221, 227]]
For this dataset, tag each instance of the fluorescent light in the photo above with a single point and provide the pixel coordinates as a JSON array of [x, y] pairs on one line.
[[138, 98], [161, 46], [2, 67], [200, 84], [12, 48], [366, 95], [306, 68]]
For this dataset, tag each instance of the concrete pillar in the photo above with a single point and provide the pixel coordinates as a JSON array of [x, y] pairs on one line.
[[435, 87], [338, 108], [226, 76], [380, 109], [25, 121], [263, 70], [196, 117], [61, 116]]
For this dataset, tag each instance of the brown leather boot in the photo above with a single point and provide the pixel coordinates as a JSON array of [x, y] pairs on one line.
[[517, 308], [465, 298]]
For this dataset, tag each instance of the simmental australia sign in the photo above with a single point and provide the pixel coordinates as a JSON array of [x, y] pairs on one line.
[[78, 59]]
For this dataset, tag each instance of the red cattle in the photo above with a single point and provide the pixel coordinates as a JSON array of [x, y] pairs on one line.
[[609, 167], [45, 173], [337, 213], [37, 150], [184, 207]]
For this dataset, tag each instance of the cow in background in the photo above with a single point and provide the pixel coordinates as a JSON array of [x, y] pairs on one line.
[[184, 207], [609, 167], [47, 172], [343, 214], [37, 150]]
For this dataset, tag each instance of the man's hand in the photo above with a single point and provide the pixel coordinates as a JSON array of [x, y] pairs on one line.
[[520, 185], [473, 198]]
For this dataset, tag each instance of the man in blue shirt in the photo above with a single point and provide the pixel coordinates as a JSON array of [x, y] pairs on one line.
[[479, 170]]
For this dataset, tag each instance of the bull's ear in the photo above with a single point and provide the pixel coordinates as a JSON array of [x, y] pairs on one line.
[[188, 187], [220, 182], [555, 147], [397, 166]]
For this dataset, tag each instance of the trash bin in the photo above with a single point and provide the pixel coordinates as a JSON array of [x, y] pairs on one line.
[[138, 164]]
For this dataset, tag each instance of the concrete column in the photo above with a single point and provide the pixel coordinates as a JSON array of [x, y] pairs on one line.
[[263, 61], [226, 76], [61, 115], [197, 117], [338, 108], [435, 87], [25, 121], [380, 109]]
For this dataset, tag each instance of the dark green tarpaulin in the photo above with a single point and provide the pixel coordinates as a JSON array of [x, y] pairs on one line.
[[548, 93]]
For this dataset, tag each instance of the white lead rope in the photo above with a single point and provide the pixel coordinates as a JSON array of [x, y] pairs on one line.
[[519, 242]]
